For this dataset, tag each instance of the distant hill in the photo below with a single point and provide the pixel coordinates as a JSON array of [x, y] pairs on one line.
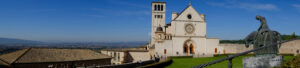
[[9, 45], [12, 41]]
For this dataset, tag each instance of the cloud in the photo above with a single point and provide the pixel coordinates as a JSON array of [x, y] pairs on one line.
[[296, 5], [242, 5], [258, 6]]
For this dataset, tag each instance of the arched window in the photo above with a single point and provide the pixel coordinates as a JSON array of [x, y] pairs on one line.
[[155, 7], [158, 7]]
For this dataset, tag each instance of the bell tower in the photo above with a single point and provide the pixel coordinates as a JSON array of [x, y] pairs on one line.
[[158, 17]]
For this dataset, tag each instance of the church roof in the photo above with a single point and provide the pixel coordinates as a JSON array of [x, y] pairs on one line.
[[182, 11], [36, 55], [190, 6]]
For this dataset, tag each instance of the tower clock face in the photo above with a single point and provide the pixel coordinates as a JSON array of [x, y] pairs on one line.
[[189, 28]]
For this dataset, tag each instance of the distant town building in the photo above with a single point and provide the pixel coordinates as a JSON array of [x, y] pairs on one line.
[[53, 58], [127, 55]]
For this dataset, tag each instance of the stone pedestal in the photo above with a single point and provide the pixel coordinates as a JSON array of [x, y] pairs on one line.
[[262, 62]]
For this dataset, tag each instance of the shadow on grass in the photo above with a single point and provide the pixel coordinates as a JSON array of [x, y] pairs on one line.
[[186, 62]]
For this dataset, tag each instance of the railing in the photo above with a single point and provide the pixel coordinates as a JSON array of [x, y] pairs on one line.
[[230, 57]]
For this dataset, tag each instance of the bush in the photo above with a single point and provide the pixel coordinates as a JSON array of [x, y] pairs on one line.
[[295, 63]]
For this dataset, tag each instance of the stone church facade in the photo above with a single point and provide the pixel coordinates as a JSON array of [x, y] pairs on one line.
[[185, 35]]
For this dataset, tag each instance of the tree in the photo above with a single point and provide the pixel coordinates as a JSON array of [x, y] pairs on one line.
[[292, 36]]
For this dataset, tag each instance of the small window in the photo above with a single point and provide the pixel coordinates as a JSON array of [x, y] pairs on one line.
[[165, 51], [118, 56], [111, 54], [216, 50], [115, 56], [189, 16]]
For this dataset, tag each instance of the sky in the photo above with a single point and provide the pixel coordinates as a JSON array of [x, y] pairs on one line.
[[130, 20]]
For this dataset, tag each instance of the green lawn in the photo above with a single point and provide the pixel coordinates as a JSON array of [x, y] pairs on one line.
[[191, 62]]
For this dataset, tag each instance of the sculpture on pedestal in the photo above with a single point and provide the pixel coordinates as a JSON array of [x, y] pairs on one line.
[[262, 37], [265, 57]]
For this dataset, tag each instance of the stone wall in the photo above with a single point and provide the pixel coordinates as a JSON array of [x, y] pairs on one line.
[[118, 56], [286, 48], [233, 48], [140, 56], [290, 47]]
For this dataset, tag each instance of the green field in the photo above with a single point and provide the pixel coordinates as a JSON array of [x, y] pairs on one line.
[[191, 62]]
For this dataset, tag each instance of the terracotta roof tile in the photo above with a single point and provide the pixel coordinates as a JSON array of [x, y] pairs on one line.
[[11, 57], [3, 63]]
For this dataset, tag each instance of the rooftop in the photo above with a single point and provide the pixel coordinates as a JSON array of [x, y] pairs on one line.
[[36, 55]]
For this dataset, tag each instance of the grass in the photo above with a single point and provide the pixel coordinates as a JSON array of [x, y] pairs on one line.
[[191, 62]]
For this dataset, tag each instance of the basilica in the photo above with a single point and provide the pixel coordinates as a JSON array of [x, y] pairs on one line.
[[185, 35]]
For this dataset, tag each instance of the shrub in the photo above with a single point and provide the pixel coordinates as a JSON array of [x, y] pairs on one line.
[[295, 63]]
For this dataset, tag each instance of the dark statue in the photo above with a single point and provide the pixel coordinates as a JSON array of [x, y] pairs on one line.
[[262, 37]]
